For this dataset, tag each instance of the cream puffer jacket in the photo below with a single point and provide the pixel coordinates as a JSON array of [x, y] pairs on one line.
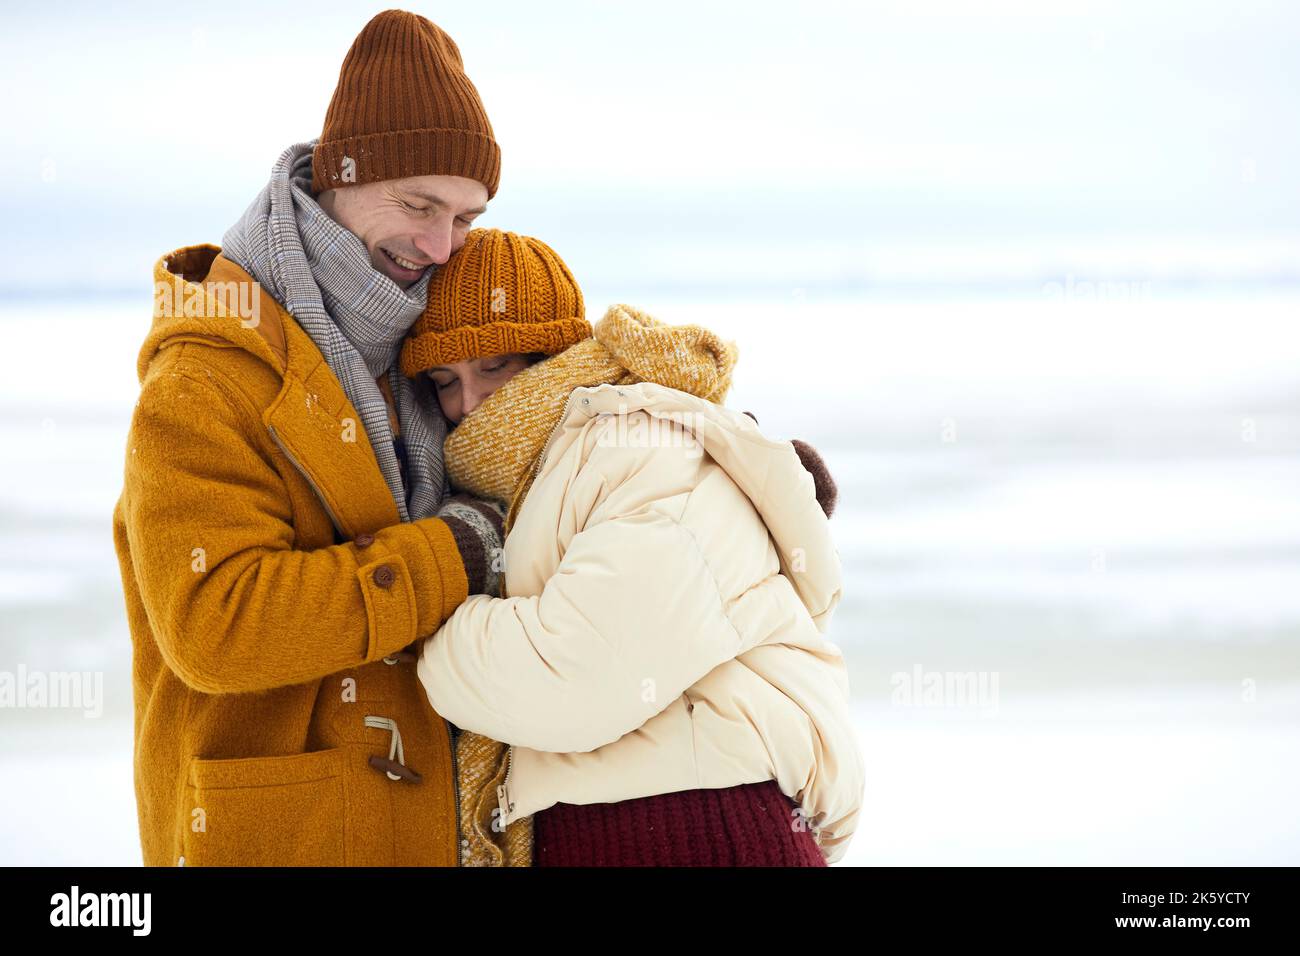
[[669, 577]]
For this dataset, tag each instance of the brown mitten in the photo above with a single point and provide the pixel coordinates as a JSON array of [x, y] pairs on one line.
[[827, 493], [476, 524]]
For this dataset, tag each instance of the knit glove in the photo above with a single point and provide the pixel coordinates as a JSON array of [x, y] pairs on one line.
[[827, 493], [477, 524]]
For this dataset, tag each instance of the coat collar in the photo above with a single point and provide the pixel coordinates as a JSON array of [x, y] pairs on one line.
[[201, 296]]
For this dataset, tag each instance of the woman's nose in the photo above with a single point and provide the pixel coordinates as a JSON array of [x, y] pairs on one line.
[[473, 397]]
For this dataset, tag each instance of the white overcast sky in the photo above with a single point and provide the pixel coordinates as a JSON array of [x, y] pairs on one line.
[[912, 139]]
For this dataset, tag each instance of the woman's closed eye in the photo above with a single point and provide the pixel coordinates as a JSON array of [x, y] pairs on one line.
[[496, 367]]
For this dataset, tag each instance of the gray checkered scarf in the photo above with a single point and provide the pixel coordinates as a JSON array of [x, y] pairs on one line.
[[356, 315]]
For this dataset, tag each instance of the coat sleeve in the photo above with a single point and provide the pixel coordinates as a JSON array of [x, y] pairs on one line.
[[632, 617], [233, 605], [782, 712]]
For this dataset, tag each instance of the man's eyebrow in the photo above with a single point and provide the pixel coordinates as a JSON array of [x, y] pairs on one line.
[[439, 201]]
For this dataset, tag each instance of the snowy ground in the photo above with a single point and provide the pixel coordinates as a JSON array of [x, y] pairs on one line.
[[1093, 503], [1135, 778]]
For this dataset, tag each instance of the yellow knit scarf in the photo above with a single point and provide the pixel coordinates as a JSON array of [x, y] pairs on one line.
[[492, 453]]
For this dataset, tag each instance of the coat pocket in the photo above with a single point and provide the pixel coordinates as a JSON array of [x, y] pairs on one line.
[[266, 811]]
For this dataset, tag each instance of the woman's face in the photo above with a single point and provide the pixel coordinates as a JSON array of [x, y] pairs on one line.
[[462, 387]]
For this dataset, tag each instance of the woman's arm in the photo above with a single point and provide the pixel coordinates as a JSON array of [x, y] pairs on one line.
[[630, 619]]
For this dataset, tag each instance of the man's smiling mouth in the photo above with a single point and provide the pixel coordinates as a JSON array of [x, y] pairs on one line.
[[406, 264]]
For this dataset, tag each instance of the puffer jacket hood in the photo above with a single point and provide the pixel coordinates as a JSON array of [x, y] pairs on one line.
[[772, 475]]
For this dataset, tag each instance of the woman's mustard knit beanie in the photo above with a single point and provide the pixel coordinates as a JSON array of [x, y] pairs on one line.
[[500, 293]]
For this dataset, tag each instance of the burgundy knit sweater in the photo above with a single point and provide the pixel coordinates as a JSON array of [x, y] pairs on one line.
[[754, 824]]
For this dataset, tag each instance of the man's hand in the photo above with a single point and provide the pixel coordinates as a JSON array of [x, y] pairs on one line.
[[478, 525]]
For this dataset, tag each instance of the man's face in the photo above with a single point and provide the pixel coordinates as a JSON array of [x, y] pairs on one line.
[[408, 224]]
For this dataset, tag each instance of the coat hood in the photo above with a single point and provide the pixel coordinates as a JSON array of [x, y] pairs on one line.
[[199, 295], [767, 470]]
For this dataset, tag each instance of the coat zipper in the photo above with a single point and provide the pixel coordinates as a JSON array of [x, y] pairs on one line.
[[546, 448], [455, 784], [503, 791]]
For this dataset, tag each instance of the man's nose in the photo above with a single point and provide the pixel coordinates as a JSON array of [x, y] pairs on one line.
[[435, 243]]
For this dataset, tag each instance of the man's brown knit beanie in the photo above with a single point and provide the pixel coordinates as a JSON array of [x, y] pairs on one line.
[[404, 107], [500, 293]]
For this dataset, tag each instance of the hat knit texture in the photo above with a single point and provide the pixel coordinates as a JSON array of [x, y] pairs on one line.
[[404, 107], [499, 294]]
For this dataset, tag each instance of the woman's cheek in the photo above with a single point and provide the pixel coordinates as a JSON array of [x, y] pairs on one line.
[[450, 407]]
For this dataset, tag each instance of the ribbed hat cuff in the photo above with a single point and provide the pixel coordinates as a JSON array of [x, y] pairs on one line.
[[423, 352], [410, 152]]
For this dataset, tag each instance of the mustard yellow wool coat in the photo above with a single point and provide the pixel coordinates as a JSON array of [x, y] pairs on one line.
[[272, 595]]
